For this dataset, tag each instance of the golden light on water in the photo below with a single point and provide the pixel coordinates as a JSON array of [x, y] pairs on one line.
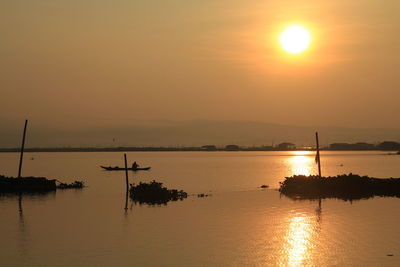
[[297, 239], [301, 153], [295, 39], [301, 163]]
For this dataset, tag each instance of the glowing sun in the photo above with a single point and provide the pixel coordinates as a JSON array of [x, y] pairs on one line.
[[295, 39]]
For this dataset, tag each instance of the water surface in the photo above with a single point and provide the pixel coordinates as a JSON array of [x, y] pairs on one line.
[[240, 224]]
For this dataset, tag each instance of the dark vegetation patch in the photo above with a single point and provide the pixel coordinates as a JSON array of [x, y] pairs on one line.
[[345, 187], [73, 185], [34, 185], [26, 184], [153, 193], [203, 195]]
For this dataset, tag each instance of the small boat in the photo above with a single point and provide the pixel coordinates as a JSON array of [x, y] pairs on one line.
[[123, 169]]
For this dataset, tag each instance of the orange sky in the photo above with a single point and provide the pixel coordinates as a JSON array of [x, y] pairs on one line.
[[106, 62]]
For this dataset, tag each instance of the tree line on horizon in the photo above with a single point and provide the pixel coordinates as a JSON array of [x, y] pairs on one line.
[[285, 146]]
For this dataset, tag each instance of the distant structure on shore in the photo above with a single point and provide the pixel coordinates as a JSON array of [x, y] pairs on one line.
[[232, 148], [209, 148], [356, 146], [386, 145], [285, 146], [389, 145]]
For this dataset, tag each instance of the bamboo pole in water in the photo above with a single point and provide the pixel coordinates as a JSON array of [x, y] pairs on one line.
[[126, 176], [317, 158], [22, 150]]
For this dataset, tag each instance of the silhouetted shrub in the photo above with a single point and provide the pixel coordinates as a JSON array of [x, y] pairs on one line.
[[346, 187], [74, 185], [26, 184], [154, 193]]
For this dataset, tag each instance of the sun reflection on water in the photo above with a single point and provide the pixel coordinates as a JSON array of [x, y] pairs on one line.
[[298, 241], [301, 162]]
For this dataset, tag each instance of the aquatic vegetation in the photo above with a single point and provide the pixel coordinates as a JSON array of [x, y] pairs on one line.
[[203, 195], [74, 185], [34, 185], [154, 193], [26, 184], [346, 187]]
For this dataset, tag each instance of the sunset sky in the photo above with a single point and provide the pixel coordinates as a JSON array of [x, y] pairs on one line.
[[103, 62]]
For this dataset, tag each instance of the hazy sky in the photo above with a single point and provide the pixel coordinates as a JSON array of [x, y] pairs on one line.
[[103, 62]]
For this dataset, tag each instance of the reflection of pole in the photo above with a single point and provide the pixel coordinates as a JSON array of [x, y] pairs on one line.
[[126, 201], [127, 183], [21, 214], [317, 158], [319, 211], [22, 150], [22, 237]]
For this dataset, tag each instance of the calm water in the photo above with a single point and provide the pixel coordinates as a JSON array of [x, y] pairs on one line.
[[238, 225]]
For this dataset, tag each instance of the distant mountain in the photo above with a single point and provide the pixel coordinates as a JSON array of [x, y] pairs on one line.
[[187, 133]]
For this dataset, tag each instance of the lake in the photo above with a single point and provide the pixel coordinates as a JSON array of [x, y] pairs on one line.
[[238, 224]]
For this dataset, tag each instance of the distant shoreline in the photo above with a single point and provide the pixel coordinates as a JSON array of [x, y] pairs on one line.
[[169, 149]]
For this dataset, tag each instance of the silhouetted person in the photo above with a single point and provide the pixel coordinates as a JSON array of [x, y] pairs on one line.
[[135, 165]]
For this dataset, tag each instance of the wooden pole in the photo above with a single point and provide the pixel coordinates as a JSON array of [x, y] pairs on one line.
[[22, 150], [127, 181], [318, 159]]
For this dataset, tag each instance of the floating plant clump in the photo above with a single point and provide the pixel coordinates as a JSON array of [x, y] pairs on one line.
[[34, 185], [346, 187], [153, 193], [26, 184], [74, 185]]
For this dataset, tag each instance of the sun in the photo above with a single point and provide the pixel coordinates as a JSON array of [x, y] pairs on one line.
[[295, 39]]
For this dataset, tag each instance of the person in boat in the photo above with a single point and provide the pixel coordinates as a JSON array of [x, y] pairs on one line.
[[135, 165]]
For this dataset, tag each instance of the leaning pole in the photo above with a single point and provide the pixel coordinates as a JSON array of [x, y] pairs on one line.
[[317, 157], [127, 182], [22, 150]]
